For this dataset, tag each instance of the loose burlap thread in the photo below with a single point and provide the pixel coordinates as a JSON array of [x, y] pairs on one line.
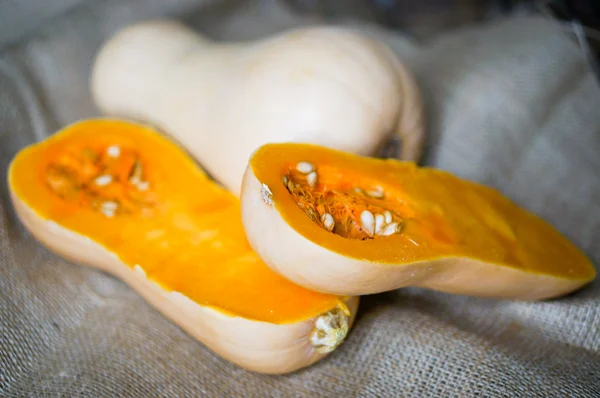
[[511, 104]]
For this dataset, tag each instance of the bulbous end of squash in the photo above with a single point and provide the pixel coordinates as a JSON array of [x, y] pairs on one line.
[[119, 197], [344, 224]]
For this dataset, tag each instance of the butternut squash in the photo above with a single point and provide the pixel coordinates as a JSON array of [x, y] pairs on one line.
[[344, 224], [120, 197], [326, 85]]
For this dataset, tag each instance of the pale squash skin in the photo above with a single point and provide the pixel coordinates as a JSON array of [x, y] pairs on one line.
[[303, 257], [259, 346], [324, 85]]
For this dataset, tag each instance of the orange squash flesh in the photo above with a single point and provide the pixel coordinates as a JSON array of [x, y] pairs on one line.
[[137, 194], [436, 217]]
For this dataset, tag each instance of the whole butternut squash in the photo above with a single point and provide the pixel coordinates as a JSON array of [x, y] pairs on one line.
[[343, 224], [326, 85], [118, 196]]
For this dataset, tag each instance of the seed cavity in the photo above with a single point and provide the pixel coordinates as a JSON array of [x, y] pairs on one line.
[[113, 151], [329, 331], [352, 212], [266, 195], [103, 180], [328, 221], [305, 167], [97, 180]]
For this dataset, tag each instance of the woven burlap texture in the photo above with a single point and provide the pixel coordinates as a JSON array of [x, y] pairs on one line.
[[511, 104]]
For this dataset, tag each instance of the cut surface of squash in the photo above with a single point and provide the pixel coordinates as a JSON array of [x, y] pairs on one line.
[[147, 209], [373, 225]]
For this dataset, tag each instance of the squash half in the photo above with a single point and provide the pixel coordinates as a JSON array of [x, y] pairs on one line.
[[344, 224], [120, 197]]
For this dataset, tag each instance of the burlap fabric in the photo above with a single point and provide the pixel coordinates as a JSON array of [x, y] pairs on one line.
[[511, 105]]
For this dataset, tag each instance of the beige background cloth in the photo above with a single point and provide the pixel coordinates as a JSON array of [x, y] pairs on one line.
[[511, 104]]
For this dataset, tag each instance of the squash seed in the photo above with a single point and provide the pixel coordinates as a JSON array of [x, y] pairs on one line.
[[285, 180], [368, 222], [135, 176], [60, 182], [113, 151], [305, 167], [375, 194], [311, 179], [103, 180], [379, 222], [109, 208], [328, 221], [143, 185], [311, 213], [390, 229], [388, 216]]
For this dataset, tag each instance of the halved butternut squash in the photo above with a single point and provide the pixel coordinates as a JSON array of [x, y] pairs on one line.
[[344, 224], [120, 197]]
